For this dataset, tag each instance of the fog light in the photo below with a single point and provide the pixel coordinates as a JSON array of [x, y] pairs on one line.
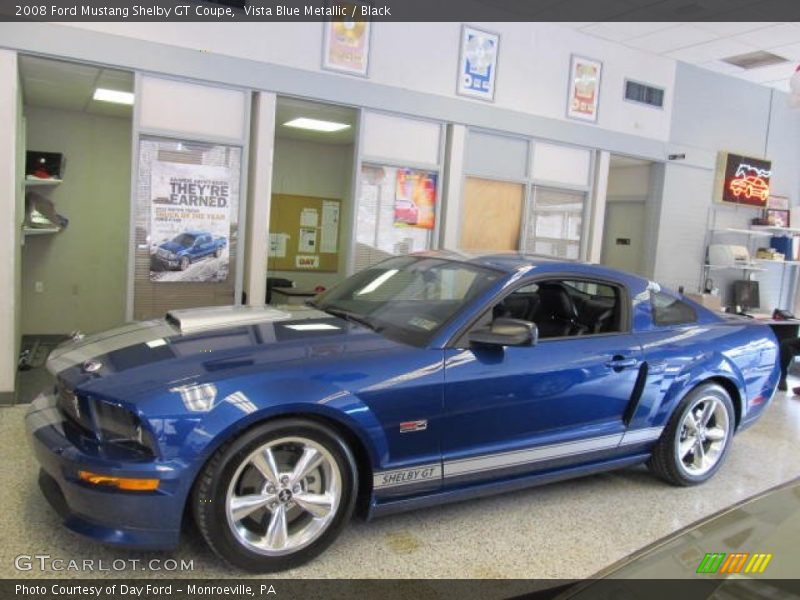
[[121, 483]]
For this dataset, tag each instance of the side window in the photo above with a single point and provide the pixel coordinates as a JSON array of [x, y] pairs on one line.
[[668, 310], [565, 308]]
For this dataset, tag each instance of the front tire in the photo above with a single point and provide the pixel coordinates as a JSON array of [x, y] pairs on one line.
[[277, 496], [697, 439]]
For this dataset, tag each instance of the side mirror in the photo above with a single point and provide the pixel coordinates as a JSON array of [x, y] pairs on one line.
[[505, 332]]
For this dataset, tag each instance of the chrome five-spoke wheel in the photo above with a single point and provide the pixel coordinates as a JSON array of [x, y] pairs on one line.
[[277, 495], [283, 496], [697, 437], [704, 434]]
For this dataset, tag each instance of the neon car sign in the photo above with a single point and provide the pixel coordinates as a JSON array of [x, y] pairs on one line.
[[743, 180]]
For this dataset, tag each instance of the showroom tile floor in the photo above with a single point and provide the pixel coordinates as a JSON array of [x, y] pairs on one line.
[[564, 530]]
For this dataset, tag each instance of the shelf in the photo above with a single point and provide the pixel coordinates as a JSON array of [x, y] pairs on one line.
[[777, 262], [36, 181], [734, 267], [769, 228], [742, 231], [40, 230]]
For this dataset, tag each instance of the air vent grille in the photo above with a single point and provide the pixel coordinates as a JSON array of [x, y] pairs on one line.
[[755, 60], [644, 94]]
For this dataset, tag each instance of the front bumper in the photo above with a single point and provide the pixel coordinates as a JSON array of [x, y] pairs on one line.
[[170, 263], [142, 520]]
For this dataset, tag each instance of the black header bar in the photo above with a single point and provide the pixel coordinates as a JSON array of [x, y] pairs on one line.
[[222, 11]]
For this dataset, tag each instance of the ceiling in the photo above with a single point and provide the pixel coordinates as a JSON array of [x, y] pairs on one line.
[[70, 86], [288, 109], [706, 43]]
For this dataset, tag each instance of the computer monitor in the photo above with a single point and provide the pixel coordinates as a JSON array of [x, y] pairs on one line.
[[745, 294]]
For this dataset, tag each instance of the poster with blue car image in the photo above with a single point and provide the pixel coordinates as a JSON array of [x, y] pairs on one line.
[[478, 63], [190, 222]]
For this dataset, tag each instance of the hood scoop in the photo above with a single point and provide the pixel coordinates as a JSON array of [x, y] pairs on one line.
[[192, 320]]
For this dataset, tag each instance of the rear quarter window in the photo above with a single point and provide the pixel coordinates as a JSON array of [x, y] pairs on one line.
[[668, 310]]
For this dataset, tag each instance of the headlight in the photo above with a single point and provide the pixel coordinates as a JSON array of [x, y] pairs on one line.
[[108, 423]]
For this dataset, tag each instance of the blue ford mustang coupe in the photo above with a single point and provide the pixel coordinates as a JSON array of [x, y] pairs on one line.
[[425, 379]]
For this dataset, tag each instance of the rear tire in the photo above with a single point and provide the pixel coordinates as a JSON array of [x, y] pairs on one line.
[[277, 496], [697, 438]]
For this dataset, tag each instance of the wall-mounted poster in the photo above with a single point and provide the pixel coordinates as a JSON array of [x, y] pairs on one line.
[[190, 222], [345, 46], [477, 67], [742, 179], [584, 88], [415, 199]]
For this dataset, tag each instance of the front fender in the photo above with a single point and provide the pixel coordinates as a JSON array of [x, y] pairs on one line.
[[197, 433]]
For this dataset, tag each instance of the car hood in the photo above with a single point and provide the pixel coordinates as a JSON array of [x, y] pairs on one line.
[[172, 246], [212, 342]]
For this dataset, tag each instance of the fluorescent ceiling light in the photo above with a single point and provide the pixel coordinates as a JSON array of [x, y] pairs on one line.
[[316, 125], [115, 96]]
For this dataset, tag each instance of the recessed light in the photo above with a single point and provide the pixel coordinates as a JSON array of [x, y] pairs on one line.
[[316, 125], [115, 96]]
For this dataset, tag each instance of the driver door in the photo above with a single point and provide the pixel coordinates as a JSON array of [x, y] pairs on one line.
[[560, 402]]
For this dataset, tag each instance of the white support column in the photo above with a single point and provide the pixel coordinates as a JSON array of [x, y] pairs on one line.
[[598, 206], [453, 186], [10, 222], [259, 198]]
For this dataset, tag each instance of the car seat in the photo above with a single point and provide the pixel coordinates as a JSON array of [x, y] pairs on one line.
[[556, 315]]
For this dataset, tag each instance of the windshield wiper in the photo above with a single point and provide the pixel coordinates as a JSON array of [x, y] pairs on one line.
[[349, 316]]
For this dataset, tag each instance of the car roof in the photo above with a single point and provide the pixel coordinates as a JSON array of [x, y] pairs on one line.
[[511, 262]]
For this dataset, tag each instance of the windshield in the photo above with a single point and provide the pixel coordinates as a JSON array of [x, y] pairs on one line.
[[184, 240], [408, 298]]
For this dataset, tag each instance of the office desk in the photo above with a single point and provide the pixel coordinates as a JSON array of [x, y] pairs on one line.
[[783, 330]]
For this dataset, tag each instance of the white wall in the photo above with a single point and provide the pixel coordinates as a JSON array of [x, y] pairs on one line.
[[713, 113], [10, 222], [531, 76], [84, 268], [322, 170]]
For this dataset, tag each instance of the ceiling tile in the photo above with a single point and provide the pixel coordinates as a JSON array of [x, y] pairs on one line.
[[672, 38], [619, 31], [714, 50], [721, 67], [772, 73], [772, 36], [791, 51], [726, 29]]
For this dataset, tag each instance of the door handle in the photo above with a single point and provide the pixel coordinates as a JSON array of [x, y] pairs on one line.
[[618, 363]]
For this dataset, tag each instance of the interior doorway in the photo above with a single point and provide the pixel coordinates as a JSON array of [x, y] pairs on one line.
[[77, 123], [628, 212], [312, 198]]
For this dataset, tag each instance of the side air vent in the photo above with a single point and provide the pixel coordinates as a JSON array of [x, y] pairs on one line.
[[644, 94]]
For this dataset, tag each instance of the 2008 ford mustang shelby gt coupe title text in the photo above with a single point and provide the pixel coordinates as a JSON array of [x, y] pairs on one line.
[[425, 379]]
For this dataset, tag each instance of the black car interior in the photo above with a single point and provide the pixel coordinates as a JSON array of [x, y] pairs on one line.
[[564, 308]]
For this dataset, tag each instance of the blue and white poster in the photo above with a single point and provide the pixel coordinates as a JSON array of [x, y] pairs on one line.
[[478, 63]]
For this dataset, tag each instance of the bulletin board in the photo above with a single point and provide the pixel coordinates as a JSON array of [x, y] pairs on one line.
[[304, 233]]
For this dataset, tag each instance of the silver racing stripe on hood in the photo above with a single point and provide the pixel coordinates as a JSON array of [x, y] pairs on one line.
[[72, 353]]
